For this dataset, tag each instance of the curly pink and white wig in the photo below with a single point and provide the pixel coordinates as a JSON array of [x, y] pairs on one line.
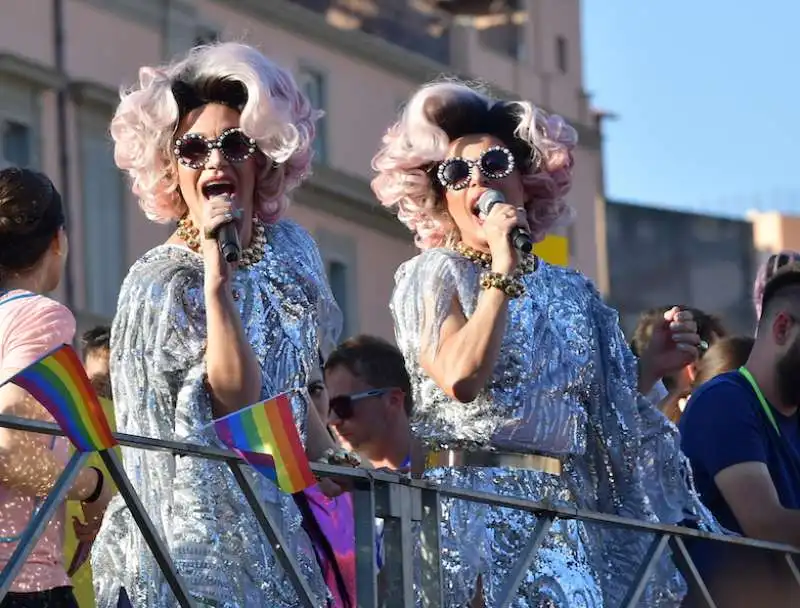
[[441, 112], [274, 112], [766, 271]]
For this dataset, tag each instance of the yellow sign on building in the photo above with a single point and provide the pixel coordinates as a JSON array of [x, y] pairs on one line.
[[554, 249]]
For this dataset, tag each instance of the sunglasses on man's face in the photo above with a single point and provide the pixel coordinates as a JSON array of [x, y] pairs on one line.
[[343, 405], [193, 150]]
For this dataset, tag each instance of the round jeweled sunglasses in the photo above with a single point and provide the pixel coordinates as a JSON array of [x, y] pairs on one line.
[[193, 150], [496, 162]]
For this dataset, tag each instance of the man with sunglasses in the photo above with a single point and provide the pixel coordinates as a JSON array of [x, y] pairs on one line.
[[370, 401], [370, 408], [741, 432]]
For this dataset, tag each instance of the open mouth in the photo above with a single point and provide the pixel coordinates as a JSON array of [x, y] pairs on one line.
[[477, 213], [219, 188]]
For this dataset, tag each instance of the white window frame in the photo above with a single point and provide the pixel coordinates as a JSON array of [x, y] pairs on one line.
[[93, 120], [4, 160], [20, 103], [342, 249], [321, 144]]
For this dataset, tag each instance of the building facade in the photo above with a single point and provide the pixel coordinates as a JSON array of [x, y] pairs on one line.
[[774, 232], [662, 258], [63, 61]]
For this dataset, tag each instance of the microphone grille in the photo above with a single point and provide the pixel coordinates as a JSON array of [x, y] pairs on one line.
[[490, 198]]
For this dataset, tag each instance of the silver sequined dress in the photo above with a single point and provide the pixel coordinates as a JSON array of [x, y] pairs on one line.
[[564, 385], [158, 376]]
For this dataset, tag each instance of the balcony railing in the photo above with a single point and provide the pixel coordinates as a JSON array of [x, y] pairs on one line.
[[396, 21], [402, 503]]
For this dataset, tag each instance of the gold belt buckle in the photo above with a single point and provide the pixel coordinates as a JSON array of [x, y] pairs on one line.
[[489, 459]]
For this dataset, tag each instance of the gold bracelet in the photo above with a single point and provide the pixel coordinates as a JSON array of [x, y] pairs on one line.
[[341, 457], [509, 285]]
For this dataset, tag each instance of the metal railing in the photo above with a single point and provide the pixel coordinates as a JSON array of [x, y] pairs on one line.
[[402, 503]]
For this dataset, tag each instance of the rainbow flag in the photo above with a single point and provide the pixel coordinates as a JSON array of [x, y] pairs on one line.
[[59, 382], [265, 436]]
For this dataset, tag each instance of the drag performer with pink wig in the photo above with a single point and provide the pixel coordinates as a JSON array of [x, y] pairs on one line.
[[523, 382], [223, 135]]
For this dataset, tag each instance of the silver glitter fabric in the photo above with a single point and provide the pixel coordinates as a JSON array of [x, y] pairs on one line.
[[158, 376], [565, 384], [489, 541]]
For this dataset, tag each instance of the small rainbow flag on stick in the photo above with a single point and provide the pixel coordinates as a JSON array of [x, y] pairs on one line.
[[265, 436], [59, 382]]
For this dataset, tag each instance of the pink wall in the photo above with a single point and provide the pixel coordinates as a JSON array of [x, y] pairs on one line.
[[582, 198], [28, 32], [562, 18], [104, 48]]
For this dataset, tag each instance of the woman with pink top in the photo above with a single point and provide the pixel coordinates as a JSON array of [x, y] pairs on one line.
[[33, 249]]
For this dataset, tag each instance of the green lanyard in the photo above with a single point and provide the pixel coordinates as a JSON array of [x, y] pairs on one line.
[[767, 409]]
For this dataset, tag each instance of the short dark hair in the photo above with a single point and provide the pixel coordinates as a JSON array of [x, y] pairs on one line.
[[97, 338], [376, 361], [784, 285]]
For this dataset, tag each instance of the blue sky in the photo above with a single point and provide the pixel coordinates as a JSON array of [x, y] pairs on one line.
[[708, 98]]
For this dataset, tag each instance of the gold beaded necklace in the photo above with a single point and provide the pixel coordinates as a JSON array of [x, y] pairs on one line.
[[190, 234], [528, 262], [512, 284]]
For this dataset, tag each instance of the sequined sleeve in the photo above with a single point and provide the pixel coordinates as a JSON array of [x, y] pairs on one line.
[[424, 290], [634, 463], [328, 312], [666, 473]]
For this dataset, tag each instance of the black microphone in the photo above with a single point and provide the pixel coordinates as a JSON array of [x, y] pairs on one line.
[[520, 238], [228, 241]]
